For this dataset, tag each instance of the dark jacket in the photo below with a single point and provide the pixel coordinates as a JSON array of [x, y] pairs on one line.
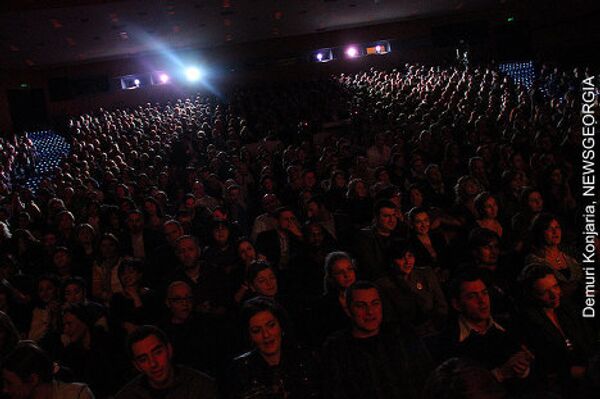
[[296, 377], [188, 384], [372, 252], [391, 365]]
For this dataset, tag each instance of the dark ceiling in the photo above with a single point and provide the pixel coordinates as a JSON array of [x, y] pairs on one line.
[[36, 33]]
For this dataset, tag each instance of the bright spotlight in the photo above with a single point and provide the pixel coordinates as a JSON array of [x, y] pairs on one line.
[[163, 77], [320, 57], [136, 82], [351, 52], [378, 49], [192, 74]]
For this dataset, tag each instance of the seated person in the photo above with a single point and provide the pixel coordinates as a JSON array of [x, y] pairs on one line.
[[414, 293], [476, 335], [193, 337], [559, 337], [276, 367], [27, 374], [152, 355], [371, 360]]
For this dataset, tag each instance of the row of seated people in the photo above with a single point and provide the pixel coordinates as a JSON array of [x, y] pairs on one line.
[[434, 172]]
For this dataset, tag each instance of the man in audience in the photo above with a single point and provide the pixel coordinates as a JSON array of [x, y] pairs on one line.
[[210, 288], [138, 241], [373, 360], [280, 245], [476, 335], [164, 258], [373, 243], [152, 355]]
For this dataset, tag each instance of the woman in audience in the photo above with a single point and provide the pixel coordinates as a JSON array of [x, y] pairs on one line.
[[546, 234], [46, 312], [487, 209], [559, 337], [276, 366], [136, 305], [429, 248], [532, 204], [415, 293], [359, 203]]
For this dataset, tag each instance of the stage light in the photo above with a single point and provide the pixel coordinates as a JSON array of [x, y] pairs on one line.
[[163, 77], [136, 82], [352, 52], [322, 55], [193, 74], [378, 49]]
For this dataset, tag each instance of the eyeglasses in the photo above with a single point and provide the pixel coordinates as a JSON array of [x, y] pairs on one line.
[[179, 300]]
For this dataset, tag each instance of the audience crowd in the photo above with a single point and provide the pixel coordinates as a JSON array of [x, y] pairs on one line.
[[386, 234]]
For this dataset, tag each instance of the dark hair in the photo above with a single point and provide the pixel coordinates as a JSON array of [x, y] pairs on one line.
[[142, 333], [538, 225], [28, 359], [262, 304], [81, 311], [358, 285], [480, 200], [379, 205], [256, 267], [530, 274], [72, 280], [464, 276], [479, 237], [525, 193], [282, 209], [330, 260], [133, 263], [462, 379], [412, 214]]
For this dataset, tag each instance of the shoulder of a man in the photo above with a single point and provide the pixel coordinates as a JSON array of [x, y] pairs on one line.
[[73, 390], [196, 383]]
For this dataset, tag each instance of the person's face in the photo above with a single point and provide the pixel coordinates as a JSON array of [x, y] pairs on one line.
[[361, 190], [246, 252], [556, 177], [310, 180], [62, 262], [150, 207], [130, 277], [312, 210], [366, 311], [286, 219], [74, 294], [265, 333], [406, 263], [74, 328], [85, 235], [180, 302], [471, 187], [270, 203], [547, 291], [473, 301], [188, 253], [340, 180], [535, 202], [478, 168], [65, 222], [265, 283], [46, 291], [49, 241], [172, 232], [108, 248], [387, 220], [135, 222], [421, 223], [553, 233], [315, 235], [220, 234], [490, 208], [153, 358], [15, 387], [488, 253]]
